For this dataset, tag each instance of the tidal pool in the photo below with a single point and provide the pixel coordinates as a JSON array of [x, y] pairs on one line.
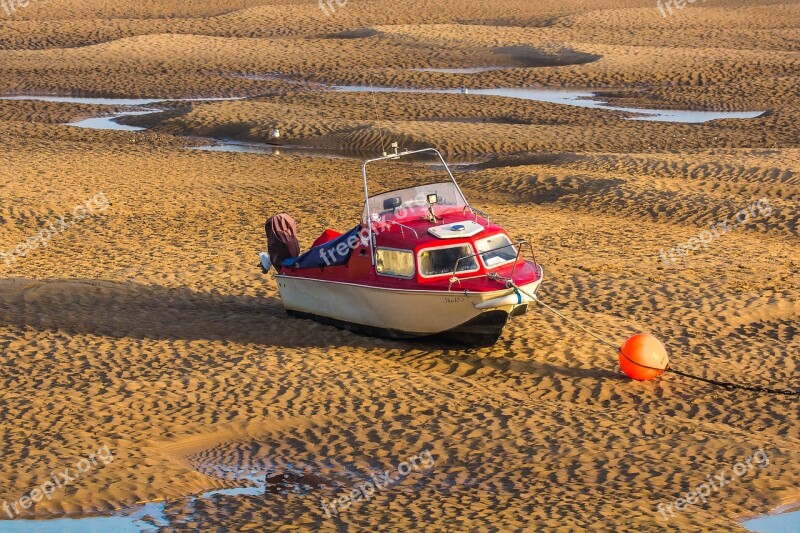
[[573, 98], [785, 519]]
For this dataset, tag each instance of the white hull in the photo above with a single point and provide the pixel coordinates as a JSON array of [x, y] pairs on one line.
[[408, 313]]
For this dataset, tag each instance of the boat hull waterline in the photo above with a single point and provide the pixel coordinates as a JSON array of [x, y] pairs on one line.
[[476, 318]]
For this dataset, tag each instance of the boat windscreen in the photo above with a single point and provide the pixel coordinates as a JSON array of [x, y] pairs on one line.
[[396, 201]]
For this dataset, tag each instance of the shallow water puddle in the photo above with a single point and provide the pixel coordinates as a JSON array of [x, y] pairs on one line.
[[110, 122], [271, 149], [469, 70], [238, 491], [307, 151], [82, 100], [781, 522], [573, 98], [112, 101], [555, 96], [148, 517]]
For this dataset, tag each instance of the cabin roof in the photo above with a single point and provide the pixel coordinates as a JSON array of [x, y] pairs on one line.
[[411, 231]]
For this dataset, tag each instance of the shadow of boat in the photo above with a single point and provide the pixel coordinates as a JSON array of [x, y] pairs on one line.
[[134, 310]]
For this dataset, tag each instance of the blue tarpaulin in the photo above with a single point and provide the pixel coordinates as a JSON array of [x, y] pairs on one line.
[[332, 253]]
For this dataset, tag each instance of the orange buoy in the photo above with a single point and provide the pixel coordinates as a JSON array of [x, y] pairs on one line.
[[643, 357]]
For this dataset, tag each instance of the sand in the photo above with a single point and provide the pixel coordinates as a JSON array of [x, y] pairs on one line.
[[148, 328]]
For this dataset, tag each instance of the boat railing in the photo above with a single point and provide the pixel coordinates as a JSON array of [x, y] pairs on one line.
[[476, 212], [392, 222], [508, 281]]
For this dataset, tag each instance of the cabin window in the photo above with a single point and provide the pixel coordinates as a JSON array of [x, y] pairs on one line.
[[440, 261], [397, 263], [496, 250]]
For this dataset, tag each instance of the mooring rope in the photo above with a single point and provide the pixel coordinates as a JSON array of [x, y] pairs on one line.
[[571, 321], [730, 386], [724, 384]]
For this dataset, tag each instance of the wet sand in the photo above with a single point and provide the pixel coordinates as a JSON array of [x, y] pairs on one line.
[[148, 327]]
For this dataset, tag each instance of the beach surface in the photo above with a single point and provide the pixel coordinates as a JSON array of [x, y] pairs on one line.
[[141, 331]]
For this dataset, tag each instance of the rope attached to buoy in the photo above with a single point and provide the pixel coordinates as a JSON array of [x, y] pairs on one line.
[[573, 322], [730, 386], [724, 384]]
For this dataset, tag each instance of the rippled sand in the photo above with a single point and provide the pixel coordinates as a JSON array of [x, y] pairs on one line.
[[149, 328]]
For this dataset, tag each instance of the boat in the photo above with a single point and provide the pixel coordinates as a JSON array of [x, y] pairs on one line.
[[421, 263]]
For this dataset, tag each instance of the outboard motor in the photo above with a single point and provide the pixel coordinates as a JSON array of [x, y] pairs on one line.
[[282, 241]]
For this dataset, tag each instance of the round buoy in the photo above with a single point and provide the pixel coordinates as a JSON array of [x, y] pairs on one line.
[[643, 357]]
